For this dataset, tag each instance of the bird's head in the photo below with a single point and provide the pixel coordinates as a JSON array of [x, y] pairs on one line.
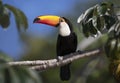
[[65, 27]]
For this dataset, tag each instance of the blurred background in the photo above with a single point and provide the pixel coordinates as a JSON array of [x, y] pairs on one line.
[[39, 41]]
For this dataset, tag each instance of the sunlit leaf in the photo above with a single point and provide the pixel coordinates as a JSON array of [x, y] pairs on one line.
[[94, 18], [117, 29], [87, 15], [102, 16], [80, 18]]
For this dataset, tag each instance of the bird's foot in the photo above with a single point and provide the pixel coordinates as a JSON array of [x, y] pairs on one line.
[[60, 58], [79, 51]]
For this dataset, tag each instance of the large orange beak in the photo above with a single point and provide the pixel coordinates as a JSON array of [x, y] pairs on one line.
[[48, 19]]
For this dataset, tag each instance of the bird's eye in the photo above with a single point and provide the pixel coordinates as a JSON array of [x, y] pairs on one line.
[[62, 20]]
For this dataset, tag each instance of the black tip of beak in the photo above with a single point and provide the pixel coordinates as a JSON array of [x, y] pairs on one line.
[[36, 20]]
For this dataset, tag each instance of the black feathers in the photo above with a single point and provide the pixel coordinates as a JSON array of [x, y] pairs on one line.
[[66, 45]]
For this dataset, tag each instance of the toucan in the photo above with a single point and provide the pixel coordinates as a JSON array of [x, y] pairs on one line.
[[66, 41]]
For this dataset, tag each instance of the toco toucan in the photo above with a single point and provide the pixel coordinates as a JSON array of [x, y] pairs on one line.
[[66, 41]]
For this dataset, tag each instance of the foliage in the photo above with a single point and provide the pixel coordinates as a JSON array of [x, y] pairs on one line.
[[112, 49], [20, 18], [4, 16], [100, 19], [16, 74], [97, 19]]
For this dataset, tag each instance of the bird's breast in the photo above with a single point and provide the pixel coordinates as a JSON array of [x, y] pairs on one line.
[[64, 29]]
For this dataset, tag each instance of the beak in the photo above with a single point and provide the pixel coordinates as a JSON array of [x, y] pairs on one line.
[[36, 20], [48, 20]]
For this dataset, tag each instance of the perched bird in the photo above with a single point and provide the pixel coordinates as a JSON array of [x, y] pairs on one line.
[[66, 41]]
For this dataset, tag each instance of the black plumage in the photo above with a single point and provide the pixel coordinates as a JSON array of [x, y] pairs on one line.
[[66, 45]]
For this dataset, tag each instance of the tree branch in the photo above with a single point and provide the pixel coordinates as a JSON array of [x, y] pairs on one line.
[[46, 64]]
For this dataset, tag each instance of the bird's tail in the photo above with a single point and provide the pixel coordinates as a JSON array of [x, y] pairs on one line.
[[65, 72]]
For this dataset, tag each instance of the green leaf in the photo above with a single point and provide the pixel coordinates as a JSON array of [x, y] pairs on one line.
[[85, 29], [86, 16], [4, 57], [94, 18], [102, 24], [17, 74], [4, 16], [112, 48], [21, 20], [109, 21], [26, 75], [102, 17], [92, 29], [102, 8], [110, 8], [117, 29], [86, 21], [1, 7]]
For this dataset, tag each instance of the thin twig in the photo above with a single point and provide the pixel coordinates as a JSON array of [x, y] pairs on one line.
[[31, 63]]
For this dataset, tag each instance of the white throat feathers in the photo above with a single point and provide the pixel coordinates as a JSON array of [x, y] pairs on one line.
[[64, 29]]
